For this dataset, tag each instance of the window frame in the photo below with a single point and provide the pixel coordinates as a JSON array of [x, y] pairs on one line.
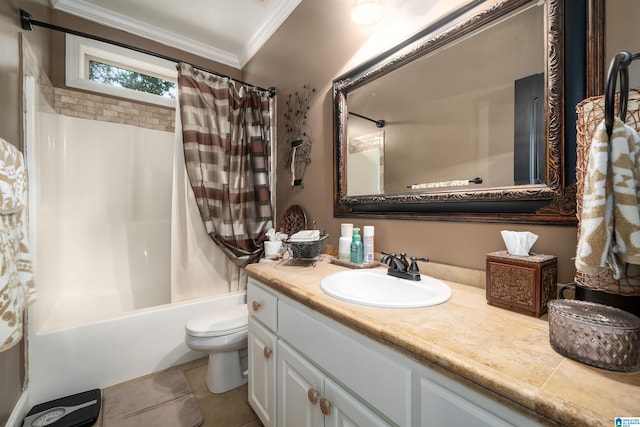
[[79, 50]]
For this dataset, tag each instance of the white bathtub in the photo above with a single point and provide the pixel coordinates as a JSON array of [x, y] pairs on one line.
[[107, 352]]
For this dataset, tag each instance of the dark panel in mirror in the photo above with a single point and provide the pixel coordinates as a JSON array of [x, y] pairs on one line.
[[463, 122]]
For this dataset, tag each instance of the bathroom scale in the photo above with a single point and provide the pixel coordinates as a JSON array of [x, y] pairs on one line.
[[77, 410]]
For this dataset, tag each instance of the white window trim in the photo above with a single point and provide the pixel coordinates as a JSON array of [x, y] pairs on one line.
[[78, 48]]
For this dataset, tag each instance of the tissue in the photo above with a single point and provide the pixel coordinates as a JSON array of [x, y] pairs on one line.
[[273, 246], [518, 242], [275, 236]]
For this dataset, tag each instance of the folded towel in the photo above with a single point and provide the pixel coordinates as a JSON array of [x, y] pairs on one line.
[[610, 223], [305, 236]]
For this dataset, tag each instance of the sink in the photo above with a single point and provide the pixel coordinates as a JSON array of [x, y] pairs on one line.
[[377, 289]]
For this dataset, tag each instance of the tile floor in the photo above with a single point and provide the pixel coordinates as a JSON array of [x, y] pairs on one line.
[[230, 409]]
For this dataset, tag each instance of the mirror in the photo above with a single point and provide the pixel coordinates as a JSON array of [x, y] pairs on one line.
[[462, 122]]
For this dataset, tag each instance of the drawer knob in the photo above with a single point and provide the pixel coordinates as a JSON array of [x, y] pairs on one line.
[[325, 406], [313, 395], [267, 352], [255, 305]]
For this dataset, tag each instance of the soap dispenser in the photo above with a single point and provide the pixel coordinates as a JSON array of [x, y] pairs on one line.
[[356, 247]]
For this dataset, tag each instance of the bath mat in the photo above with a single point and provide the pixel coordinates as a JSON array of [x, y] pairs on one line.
[[162, 401]]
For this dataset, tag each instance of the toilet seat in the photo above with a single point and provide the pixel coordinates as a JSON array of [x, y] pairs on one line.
[[224, 322]]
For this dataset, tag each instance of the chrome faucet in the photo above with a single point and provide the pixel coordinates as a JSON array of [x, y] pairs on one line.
[[400, 267]]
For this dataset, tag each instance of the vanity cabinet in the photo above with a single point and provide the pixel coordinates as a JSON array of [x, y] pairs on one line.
[[327, 374], [262, 353], [307, 397], [442, 401], [285, 387]]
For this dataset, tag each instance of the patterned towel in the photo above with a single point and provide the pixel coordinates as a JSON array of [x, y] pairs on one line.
[[16, 277], [610, 224]]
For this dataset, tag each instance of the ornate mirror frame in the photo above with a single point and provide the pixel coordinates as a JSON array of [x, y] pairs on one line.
[[553, 202]]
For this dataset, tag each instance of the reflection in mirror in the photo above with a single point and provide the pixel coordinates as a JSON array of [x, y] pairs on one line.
[[366, 159], [452, 112], [471, 119]]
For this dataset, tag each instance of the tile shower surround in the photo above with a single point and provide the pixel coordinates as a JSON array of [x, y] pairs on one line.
[[91, 106]]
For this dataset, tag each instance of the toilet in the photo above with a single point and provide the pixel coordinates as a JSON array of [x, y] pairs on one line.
[[223, 336]]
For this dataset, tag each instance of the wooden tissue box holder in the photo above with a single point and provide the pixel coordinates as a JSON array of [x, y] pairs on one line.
[[521, 283]]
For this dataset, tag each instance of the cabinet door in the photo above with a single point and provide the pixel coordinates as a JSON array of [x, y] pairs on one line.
[[300, 388], [346, 411], [262, 372], [439, 406]]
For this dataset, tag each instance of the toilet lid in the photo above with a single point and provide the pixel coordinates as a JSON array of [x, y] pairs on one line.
[[221, 322]]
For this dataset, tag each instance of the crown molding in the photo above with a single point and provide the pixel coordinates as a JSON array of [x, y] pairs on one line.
[[267, 30], [118, 21]]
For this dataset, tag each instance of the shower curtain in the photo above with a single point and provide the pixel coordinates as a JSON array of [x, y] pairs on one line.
[[198, 266], [225, 138]]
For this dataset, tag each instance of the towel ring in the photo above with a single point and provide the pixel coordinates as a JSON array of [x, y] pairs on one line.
[[619, 65]]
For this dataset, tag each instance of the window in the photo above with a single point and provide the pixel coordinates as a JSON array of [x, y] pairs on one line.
[[100, 67]]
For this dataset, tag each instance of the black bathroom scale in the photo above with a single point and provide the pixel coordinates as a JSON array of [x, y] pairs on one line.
[[77, 410]]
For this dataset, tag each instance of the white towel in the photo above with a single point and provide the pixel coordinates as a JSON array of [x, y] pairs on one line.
[[305, 236], [610, 223], [17, 289]]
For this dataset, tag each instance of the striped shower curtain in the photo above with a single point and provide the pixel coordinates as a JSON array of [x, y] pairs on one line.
[[226, 140]]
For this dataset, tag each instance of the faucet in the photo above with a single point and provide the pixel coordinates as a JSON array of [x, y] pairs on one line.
[[400, 267]]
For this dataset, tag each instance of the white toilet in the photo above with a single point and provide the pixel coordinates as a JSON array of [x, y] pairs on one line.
[[223, 335]]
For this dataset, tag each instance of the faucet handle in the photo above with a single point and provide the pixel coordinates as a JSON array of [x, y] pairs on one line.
[[386, 257], [413, 268]]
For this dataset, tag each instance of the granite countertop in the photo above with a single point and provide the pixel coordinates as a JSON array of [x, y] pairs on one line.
[[503, 351]]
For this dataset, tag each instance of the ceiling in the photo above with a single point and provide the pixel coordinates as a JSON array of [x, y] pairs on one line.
[[226, 31]]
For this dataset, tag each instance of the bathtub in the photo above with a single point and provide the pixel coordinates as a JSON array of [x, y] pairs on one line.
[[98, 354]]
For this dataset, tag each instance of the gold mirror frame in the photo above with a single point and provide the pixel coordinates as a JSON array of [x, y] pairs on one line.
[[553, 202]]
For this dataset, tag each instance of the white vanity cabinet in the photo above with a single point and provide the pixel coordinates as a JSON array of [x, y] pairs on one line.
[[327, 374], [288, 387], [262, 371], [307, 397], [443, 401], [262, 353]]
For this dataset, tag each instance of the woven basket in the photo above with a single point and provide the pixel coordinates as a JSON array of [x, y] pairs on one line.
[[590, 115], [306, 250], [595, 334]]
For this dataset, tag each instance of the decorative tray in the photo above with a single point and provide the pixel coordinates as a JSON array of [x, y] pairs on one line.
[[293, 220], [349, 264]]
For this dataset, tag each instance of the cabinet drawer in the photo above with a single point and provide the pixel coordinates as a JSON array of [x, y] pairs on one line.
[[371, 371], [262, 305]]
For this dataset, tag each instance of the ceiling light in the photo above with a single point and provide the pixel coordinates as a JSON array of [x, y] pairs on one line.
[[366, 12]]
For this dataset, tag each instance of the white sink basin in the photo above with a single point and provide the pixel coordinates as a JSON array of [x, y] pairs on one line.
[[377, 289]]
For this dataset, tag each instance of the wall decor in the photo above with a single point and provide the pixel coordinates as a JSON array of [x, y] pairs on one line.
[[298, 133]]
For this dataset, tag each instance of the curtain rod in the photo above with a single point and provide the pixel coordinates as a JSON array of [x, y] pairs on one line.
[[27, 21], [379, 123]]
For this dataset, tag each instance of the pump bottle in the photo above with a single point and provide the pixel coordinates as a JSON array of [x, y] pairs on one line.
[[356, 247]]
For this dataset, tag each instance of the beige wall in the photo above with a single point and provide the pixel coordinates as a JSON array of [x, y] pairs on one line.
[[319, 43], [623, 35]]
